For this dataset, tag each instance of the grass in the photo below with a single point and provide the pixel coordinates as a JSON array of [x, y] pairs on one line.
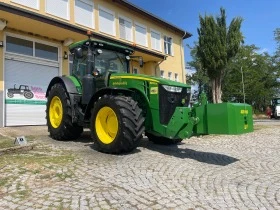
[[6, 142]]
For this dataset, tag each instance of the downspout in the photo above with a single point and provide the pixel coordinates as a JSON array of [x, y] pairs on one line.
[[183, 59]]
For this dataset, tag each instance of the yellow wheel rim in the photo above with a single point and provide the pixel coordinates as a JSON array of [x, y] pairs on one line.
[[106, 125], [55, 112]]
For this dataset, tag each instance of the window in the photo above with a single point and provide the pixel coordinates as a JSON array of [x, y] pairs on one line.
[[46, 51], [169, 75], [84, 8], [135, 71], [140, 34], [31, 48], [168, 45], [176, 77], [106, 21], [125, 26], [59, 8], [161, 73], [20, 46], [155, 40], [29, 3]]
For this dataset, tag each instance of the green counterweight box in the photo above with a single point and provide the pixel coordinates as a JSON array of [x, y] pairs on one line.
[[229, 118]]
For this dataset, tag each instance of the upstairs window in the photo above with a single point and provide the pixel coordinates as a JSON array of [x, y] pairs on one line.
[[140, 34], [59, 8], [155, 40], [170, 75], [84, 8], [106, 21], [29, 3], [168, 45], [135, 71], [125, 26], [161, 73], [176, 77]]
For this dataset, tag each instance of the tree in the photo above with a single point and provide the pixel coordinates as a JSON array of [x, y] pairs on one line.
[[260, 78], [217, 45]]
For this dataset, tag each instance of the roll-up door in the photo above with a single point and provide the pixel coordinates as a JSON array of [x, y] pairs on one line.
[[26, 82]]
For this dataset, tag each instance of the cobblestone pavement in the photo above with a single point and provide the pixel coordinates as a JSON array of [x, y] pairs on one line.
[[209, 172]]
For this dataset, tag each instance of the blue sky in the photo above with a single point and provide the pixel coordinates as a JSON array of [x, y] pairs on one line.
[[261, 17]]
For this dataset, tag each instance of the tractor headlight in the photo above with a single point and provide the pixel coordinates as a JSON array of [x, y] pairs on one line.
[[172, 89]]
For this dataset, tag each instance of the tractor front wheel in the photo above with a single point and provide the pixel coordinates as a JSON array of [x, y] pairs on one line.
[[162, 140], [59, 119], [117, 124]]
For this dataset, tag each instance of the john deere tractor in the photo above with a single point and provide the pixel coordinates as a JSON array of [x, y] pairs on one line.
[[117, 106]]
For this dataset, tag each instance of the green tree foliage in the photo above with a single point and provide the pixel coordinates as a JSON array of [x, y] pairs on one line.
[[260, 78], [216, 46]]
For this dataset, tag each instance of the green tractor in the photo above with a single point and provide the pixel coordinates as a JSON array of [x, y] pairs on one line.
[[117, 106]]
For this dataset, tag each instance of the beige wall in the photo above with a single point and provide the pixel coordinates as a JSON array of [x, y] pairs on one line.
[[1, 62], [172, 63]]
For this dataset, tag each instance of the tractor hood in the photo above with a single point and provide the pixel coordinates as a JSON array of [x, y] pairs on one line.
[[162, 81]]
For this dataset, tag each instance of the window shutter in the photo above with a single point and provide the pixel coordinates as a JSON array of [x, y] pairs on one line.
[[59, 8], [30, 3], [140, 35], [106, 22], [84, 13]]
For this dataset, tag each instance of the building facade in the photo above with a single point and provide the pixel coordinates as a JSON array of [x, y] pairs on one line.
[[34, 40]]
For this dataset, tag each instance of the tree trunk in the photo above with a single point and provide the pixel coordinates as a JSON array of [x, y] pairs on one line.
[[217, 90]]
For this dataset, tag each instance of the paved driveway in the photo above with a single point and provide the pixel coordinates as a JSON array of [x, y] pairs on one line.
[[209, 172]]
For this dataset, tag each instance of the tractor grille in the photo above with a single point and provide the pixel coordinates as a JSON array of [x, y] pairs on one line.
[[168, 101]]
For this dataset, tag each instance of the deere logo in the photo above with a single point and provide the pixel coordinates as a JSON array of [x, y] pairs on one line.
[[119, 83], [243, 111], [154, 90]]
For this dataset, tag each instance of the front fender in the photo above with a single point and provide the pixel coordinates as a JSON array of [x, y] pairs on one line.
[[101, 92]]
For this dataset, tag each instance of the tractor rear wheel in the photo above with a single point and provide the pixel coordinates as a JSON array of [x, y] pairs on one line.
[[59, 118], [162, 140], [117, 124]]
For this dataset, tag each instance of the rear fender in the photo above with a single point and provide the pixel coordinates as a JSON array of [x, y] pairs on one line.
[[71, 84]]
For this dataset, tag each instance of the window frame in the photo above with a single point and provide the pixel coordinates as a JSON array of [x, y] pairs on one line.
[[171, 45], [33, 48], [91, 3], [114, 22], [170, 75], [131, 30], [156, 32], [176, 76], [146, 35]]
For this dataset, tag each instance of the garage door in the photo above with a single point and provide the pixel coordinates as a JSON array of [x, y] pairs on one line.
[[26, 81]]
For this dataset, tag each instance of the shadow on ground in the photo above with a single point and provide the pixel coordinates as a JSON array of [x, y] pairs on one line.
[[174, 150], [171, 150]]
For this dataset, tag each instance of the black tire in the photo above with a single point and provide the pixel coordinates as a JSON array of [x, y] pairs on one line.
[[125, 116], [162, 140], [64, 129], [10, 95], [28, 94]]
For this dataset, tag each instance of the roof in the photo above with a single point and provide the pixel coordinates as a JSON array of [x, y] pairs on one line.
[[155, 18], [105, 45]]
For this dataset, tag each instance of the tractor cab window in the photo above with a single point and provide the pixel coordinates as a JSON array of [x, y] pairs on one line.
[[80, 65], [106, 61], [110, 61]]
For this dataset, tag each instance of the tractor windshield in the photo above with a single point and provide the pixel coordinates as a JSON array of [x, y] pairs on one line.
[[106, 61], [110, 61]]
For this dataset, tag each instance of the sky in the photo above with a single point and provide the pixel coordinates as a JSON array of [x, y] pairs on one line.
[[260, 17]]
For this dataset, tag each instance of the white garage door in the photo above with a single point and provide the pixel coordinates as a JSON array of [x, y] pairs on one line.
[[26, 82]]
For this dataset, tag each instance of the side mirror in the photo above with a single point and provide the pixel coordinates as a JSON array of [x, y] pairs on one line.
[[78, 52], [141, 63]]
